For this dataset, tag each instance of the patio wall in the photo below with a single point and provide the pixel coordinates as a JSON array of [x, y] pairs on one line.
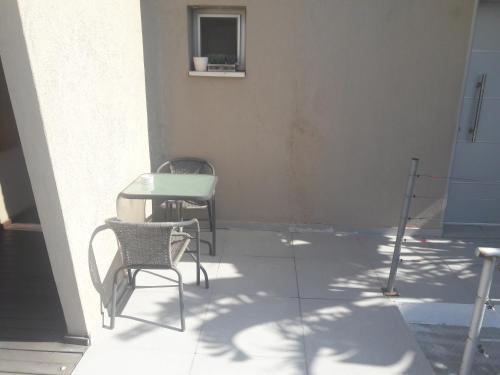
[[75, 73], [339, 95]]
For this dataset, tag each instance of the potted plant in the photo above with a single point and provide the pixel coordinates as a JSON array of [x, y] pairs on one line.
[[200, 63], [222, 63]]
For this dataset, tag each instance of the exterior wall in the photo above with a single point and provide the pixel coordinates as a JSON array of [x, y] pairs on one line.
[[339, 95], [15, 189], [76, 77]]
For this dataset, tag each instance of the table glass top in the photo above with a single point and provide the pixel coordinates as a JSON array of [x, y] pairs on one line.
[[171, 186]]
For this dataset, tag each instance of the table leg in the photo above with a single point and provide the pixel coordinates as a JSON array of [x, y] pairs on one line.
[[214, 227]]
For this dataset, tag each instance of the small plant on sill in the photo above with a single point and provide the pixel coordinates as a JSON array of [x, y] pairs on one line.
[[222, 63]]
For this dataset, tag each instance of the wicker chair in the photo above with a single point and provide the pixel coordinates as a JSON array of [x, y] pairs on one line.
[[154, 246], [188, 165]]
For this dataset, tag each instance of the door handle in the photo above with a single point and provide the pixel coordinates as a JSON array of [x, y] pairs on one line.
[[479, 105]]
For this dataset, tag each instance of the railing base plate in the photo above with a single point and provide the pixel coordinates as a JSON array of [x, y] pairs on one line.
[[387, 293]]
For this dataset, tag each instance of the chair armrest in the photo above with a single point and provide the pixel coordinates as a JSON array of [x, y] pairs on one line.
[[186, 223], [183, 234]]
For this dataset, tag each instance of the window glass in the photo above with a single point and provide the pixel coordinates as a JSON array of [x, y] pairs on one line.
[[219, 39]]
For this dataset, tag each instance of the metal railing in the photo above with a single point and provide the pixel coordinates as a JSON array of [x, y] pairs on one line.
[[490, 257], [403, 220], [414, 175]]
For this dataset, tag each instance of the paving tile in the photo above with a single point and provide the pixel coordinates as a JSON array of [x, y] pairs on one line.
[[423, 273], [460, 257], [151, 319], [130, 361], [384, 245], [444, 347], [471, 271], [245, 327], [428, 279], [265, 276], [257, 243], [249, 321], [359, 337], [187, 267], [342, 278], [222, 365], [338, 247], [453, 314]]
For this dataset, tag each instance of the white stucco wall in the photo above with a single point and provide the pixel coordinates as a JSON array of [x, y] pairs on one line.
[[78, 92]]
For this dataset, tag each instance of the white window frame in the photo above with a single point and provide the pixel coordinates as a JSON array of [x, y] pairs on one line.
[[238, 13]]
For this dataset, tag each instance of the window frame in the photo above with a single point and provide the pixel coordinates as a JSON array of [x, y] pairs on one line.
[[209, 12]]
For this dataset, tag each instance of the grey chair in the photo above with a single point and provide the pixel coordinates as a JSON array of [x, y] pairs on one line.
[[189, 165], [154, 246]]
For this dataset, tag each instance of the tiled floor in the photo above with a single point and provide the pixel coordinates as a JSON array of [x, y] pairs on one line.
[[286, 303]]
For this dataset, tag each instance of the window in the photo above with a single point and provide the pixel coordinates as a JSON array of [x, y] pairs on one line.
[[219, 35]]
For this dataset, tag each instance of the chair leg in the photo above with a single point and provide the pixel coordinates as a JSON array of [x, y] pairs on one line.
[[181, 299], [198, 258], [130, 278], [210, 223], [211, 226], [113, 302], [134, 277], [209, 245], [168, 211], [214, 226], [203, 270], [205, 275]]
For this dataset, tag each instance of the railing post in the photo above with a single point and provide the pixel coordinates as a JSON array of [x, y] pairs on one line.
[[410, 186], [490, 258]]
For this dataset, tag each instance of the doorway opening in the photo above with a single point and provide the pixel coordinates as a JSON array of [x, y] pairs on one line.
[[31, 315]]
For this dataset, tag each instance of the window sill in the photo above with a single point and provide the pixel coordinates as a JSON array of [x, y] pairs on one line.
[[193, 73]]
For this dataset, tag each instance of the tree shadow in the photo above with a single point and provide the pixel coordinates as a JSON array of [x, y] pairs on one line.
[[343, 334]]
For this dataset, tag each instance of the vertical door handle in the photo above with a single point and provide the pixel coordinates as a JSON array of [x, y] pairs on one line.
[[479, 105]]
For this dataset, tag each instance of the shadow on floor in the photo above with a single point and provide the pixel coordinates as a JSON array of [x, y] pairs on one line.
[[32, 325], [30, 308]]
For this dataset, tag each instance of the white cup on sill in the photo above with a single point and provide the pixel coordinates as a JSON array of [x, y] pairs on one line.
[[200, 64]]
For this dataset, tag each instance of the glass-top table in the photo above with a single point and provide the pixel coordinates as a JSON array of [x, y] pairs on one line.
[[160, 187]]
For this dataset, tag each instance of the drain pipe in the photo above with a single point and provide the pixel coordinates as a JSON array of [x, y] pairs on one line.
[[490, 256]]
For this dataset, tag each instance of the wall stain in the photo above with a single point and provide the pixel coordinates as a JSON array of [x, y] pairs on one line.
[[304, 143]]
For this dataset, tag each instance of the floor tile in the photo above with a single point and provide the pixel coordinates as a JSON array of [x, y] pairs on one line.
[[384, 245], [428, 279], [331, 246], [444, 347], [470, 270], [452, 314], [357, 337], [324, 278], [151, 319], [245, 327], [229, 365], [250, 320], [265, 276], [130, 361], [187, 267], [256, 243]]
